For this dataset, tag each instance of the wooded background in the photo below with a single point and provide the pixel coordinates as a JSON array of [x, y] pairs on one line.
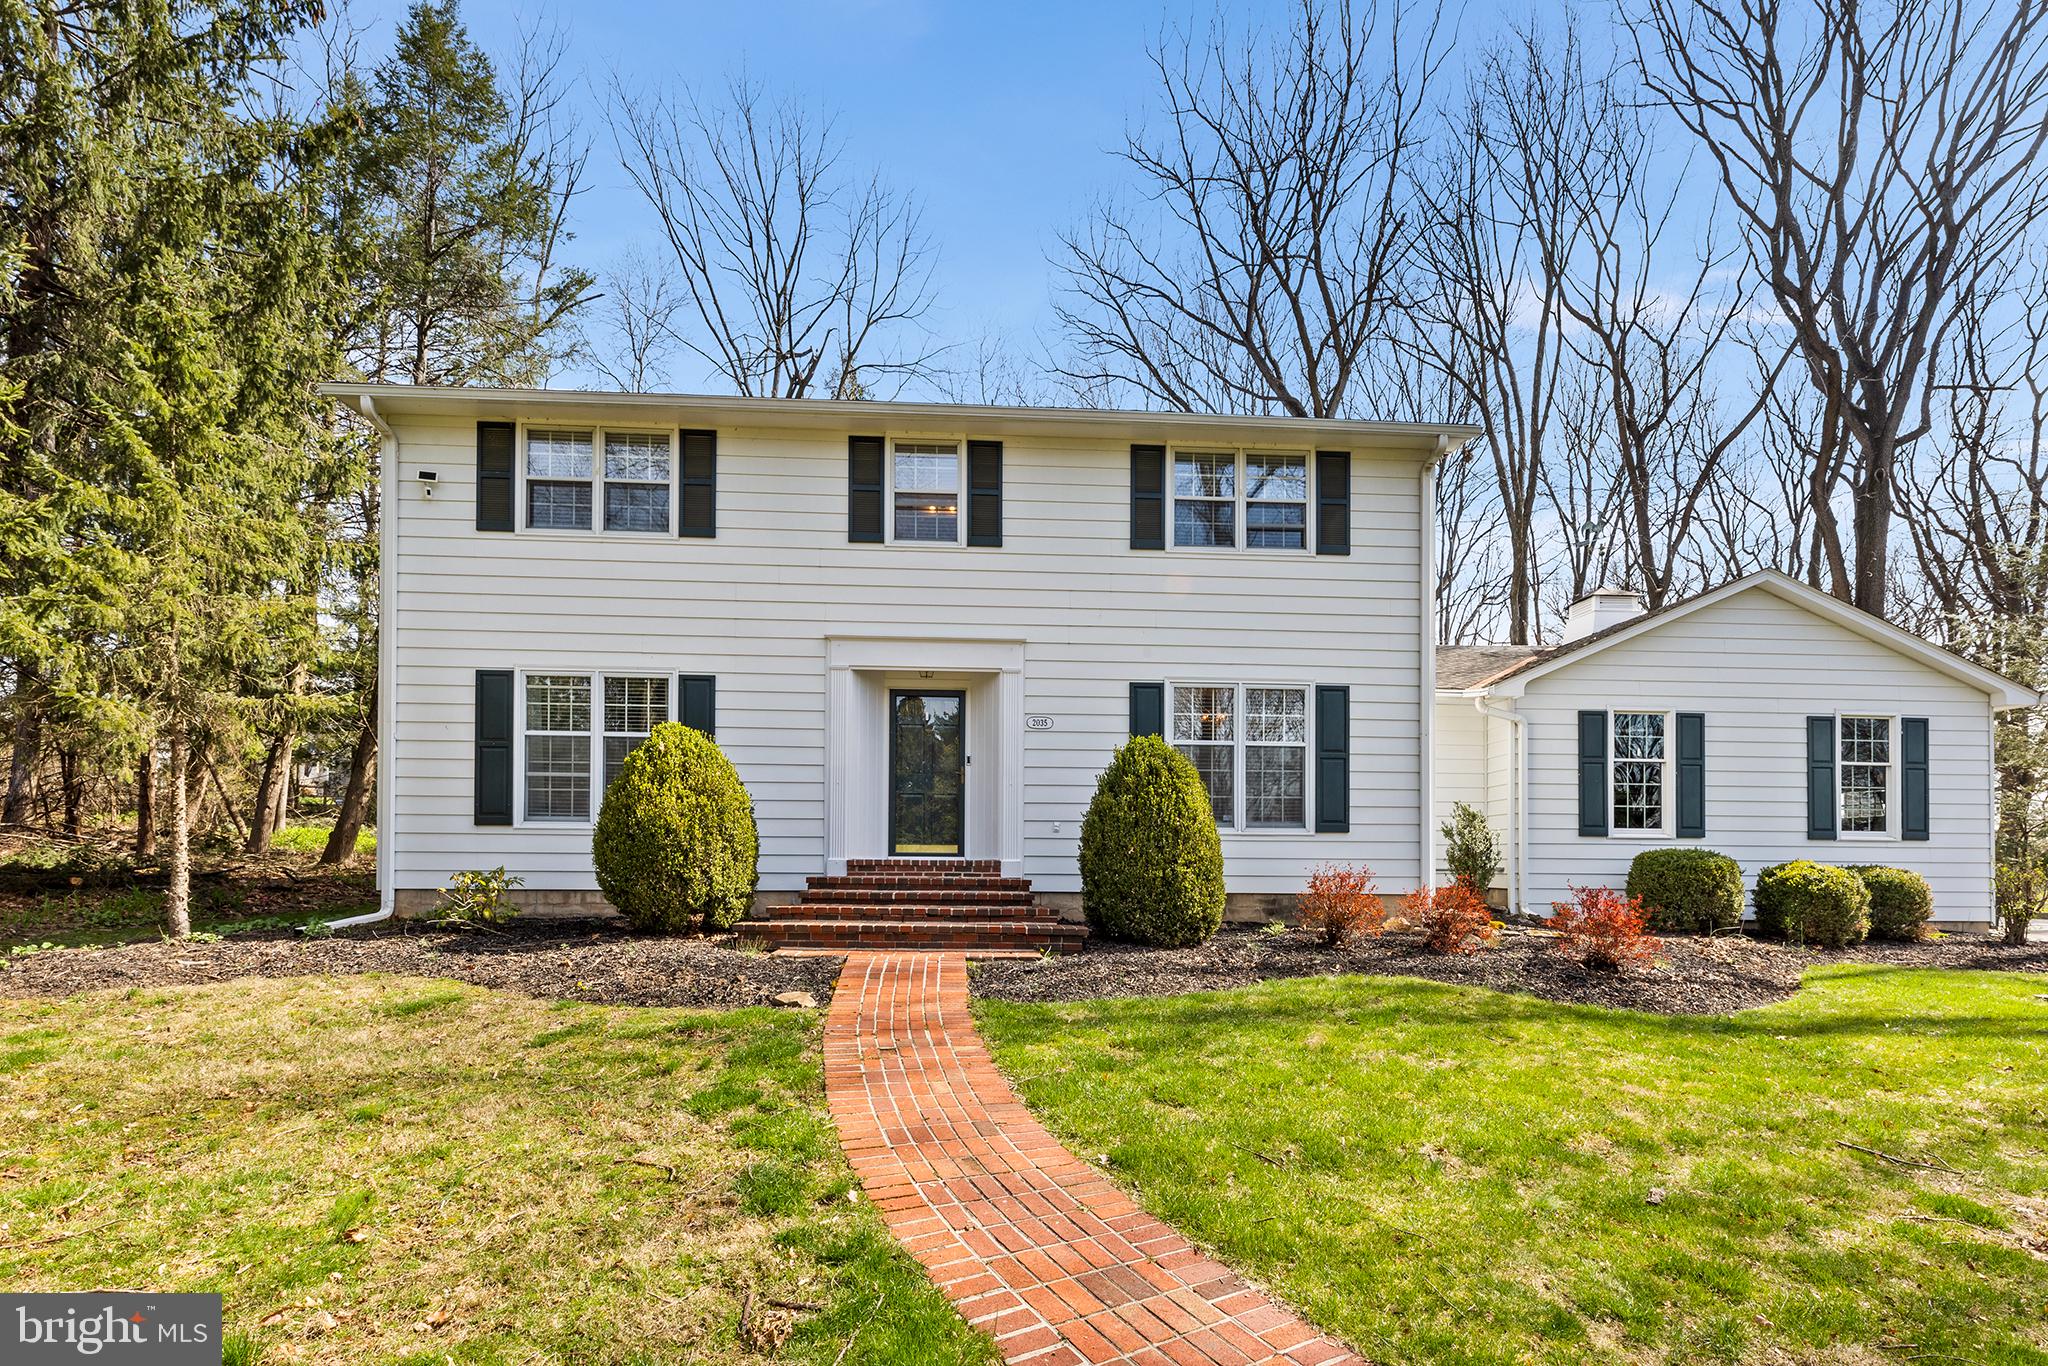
[[1725, 285]]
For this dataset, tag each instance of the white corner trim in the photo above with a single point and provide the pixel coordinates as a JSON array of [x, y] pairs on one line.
[[1518, 794], [1426, 681], [390, 570]]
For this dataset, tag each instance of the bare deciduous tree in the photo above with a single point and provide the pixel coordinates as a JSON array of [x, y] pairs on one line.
[[1880, 156], [802, 280], [641, 302], [1279, 180]]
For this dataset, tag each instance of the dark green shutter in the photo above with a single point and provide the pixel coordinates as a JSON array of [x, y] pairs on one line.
[[864, 489], [1333, 502], [1333, 760], [1148, 497], [699, 694], [494, 450], [1592, 773], [1692, 775], [1913, 778], [698, 485], [984, 493], [1820, 777], [1148, 709], [494, 747]]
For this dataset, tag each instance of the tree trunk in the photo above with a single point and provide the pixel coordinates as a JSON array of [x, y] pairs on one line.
[[178, 894], [355, 799], [285, 785], [28, 748], [145, 802], [263, 818], [71, 782]]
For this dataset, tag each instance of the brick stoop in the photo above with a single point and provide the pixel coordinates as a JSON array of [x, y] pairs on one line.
[[961, 905]]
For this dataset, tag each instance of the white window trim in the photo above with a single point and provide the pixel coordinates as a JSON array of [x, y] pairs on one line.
[[597, 734], [1892, 793], [597, 527], [959, 442], [1669, 766], [1239, 744], [1308, 505]]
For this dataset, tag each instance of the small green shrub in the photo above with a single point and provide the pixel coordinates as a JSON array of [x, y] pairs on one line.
[[675, 842], [1687, 891], [1151, 861], [1812, 903], [1471, 850], [478, 897], [1901, 902]]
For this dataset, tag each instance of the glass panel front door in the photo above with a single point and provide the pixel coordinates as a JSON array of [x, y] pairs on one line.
[[927, 771]]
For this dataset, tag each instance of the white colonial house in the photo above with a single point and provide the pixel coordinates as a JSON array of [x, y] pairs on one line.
[[919, 632], [1764, 720]]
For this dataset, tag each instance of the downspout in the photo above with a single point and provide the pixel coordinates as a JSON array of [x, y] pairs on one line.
[[387, 653], [1518, 824], [1426, 580]]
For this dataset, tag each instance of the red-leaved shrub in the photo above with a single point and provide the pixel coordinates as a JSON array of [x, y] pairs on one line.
[[1341, 904], [1453, 918], [1602, 928]]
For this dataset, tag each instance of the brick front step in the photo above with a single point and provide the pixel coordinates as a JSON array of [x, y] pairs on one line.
[[938, 935], [915, 910], [964, 882], [824, 890], [924, 865]]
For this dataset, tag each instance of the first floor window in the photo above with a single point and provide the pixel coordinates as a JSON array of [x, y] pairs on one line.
[[632, 709], [926, 478], [558, 747], [1866, 768], [1249, 743], [1638, 767], [558, 479], [636, 470]]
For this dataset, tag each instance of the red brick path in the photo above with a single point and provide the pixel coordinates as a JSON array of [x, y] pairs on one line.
[[1036, 1248]]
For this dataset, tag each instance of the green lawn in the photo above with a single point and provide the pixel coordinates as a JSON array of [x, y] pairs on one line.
[[389, 1169], [1444, 1174]]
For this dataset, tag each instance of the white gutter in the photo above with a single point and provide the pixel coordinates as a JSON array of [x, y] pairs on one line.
[[387, 653], [1518, 825]]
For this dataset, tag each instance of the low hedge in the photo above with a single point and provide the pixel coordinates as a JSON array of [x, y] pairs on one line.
[[1687, 891], [1812, 903], [1151, 861], [1901, 902]]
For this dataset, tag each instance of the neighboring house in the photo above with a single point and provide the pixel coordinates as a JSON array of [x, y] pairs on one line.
[[919, 631], [1764, 719]]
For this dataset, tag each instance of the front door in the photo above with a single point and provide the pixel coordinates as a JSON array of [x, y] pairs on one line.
[[927, 771]]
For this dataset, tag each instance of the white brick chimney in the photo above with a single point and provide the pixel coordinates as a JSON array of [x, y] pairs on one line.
[[1600, 609]]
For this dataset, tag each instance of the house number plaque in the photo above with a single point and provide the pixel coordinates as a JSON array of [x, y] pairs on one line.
[[1038, 723]]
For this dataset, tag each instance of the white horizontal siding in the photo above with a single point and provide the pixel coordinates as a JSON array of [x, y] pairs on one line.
[[754, 607], [1757, 666]]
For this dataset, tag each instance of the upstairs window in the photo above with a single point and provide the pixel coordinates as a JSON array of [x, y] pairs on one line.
[[636, 481], [1865, 774], [1639, 765], [558, 479], [1265, 493], [925, 480]]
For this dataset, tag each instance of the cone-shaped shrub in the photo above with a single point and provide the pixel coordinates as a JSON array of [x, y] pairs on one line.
[[1151, 863], [675, 842]]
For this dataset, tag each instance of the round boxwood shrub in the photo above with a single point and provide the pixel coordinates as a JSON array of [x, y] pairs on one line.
[[1151, 863], [1687, 891], [1901, 902], [1812, 903], [675, 841]]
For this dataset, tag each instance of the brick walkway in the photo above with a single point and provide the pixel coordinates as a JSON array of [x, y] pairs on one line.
[[1036, 1248]]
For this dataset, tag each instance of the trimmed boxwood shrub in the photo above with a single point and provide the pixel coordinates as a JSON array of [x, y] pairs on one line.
[[1901, 902], [1687, 891], [1812, 903], [675, 841], [1151, 862]]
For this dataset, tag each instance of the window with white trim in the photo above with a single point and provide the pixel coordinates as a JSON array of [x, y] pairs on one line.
[[1249, 744], [1217, 492], [1640, 766], [557, 735], [636, 481], [558, 478], [1865, 774], [633, 707], [924, 479]]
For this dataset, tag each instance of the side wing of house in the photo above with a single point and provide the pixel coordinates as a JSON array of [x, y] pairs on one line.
[[1815, 740]]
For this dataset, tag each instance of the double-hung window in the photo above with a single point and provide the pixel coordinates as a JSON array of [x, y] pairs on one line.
[[925, 479], [577, 725], [1263, 492], [1640, 766], [1249, 743], [566, 482], [1865, 774]]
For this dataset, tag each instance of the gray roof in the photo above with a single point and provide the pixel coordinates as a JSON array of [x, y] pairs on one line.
[[1467, 666]]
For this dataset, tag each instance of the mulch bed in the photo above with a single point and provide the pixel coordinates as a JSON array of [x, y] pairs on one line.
[[1693, 976], [561, 960]]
